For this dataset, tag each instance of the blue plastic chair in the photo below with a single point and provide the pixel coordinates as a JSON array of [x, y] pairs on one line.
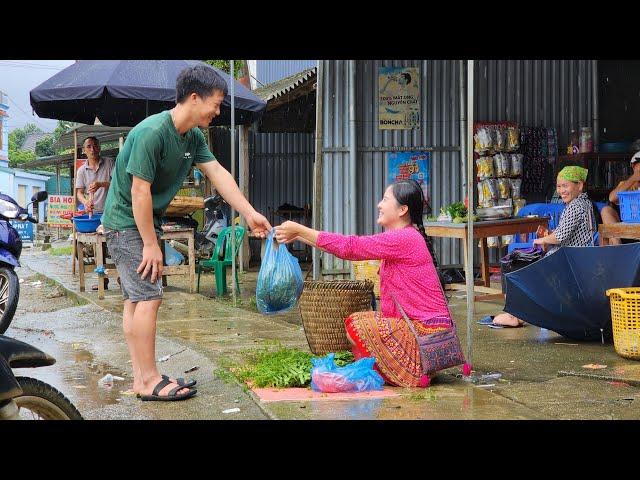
[[552, 210]]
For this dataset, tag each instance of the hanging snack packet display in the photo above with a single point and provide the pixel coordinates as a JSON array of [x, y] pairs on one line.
[[513, 139], [504, 188], [492, 242], [516, 164], [501, 139], [517, 205], [506, 240], [502, 165], [516, 187], [485, 167], [482, 140]]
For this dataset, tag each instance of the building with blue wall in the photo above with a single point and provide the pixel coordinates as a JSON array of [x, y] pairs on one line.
[[265, 72]]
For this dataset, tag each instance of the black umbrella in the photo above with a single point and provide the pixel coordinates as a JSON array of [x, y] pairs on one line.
[[124, 92], [565, 291]]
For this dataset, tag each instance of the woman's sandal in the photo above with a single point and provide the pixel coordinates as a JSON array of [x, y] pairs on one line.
[[172, 396]]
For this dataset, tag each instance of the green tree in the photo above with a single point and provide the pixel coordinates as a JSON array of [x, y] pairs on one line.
[[19, 135], [225, 66], [44, 148]]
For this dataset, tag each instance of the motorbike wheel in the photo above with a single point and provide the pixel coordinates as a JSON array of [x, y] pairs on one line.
[[40, 401], [9, 295]]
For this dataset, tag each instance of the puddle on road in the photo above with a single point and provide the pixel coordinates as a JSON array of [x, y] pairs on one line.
[[76, 373]]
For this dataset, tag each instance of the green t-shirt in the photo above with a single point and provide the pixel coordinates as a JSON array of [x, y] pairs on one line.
[[154, 151]]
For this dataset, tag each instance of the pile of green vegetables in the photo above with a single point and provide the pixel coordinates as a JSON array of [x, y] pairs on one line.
[[458, 213], [284, 367]]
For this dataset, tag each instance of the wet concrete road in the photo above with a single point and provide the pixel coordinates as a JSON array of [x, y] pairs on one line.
[[87, 343], [529, 361]]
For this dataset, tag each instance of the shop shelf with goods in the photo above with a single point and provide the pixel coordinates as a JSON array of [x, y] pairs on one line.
[[498, 166]]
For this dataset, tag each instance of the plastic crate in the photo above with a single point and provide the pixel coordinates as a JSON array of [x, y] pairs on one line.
[[625, 320], [629, 206]]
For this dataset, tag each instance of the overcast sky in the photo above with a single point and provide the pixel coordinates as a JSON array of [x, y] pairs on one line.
[[17, 79]]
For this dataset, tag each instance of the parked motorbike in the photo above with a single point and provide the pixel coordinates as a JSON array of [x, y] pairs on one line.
[[214, 221], [25, 398], [10, 250]]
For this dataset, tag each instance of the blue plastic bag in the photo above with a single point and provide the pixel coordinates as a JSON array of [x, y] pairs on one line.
[[280, 279], [359, 376], [172, 256]]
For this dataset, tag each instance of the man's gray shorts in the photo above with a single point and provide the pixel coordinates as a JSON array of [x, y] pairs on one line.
[[126, 251]]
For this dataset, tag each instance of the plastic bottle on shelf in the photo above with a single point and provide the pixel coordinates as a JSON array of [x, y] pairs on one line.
[[586, 140]]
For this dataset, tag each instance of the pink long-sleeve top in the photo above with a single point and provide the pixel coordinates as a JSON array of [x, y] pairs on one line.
[[406, 271]]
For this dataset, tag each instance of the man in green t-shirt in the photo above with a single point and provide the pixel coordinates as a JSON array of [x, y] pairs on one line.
[[155, 159]]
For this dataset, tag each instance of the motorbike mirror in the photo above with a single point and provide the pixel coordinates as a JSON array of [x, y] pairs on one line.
[[40, 196]]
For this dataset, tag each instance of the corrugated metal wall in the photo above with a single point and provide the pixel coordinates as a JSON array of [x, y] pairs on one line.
[[544, 93], [280, 169], [536, 93], [268, 71], [439, 132]]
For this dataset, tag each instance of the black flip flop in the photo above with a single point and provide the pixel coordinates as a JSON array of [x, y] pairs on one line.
[[171, 396], [180, 381]]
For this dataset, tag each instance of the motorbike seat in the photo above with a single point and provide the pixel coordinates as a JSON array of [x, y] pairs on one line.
[[22, 355]]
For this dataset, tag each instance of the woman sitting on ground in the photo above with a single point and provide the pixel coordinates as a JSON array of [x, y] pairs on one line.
[[611, 212], [407, 275], [576, 227]]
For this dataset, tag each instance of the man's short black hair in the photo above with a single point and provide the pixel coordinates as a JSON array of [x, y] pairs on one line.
[[97, 142], [201, 80]]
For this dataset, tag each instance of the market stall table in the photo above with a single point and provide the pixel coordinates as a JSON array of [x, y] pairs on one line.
[[484, 230], [618, 230], [97, 240]]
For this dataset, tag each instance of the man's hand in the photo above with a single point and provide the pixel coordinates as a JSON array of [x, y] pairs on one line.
[[259, 225], [93, 186], [287, 232], [636, 175], [89, 206], [151, 262]]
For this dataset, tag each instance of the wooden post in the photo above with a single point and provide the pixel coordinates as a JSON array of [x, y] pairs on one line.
[[74, 246], [245, 254], [58, 182]]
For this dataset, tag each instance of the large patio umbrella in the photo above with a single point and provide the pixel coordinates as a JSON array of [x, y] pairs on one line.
[[124, 92], [565, 291]]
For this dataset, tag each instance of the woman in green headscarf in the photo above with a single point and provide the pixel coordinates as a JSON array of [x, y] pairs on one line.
[[576, 227]]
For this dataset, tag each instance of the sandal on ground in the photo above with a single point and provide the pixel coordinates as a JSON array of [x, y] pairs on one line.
[[180, 381], [172, 396]]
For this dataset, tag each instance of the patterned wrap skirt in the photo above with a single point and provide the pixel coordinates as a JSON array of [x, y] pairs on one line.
[[392, 343]]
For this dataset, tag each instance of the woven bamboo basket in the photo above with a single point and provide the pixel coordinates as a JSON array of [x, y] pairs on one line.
[[184, 205], [368, 270], [324, 306]]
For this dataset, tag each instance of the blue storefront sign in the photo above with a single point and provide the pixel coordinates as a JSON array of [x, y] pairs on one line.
[[25, 229]]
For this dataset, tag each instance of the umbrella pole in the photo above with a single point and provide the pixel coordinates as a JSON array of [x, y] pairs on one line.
[[233, 174], [470, 180], [73, 194]]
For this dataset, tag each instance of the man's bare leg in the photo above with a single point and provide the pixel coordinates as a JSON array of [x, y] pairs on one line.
[[127, 327], [143, 345]]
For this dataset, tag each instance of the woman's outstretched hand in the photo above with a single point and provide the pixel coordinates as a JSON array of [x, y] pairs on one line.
[[287, 232]]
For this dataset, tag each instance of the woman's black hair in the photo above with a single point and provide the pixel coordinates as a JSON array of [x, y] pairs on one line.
[[409, 193]]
